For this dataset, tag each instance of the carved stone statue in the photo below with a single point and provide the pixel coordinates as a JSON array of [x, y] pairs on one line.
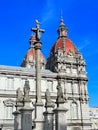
[[26, 91], [60, 97], [60, 61], [19, 95], [48, 98], [70, 53]]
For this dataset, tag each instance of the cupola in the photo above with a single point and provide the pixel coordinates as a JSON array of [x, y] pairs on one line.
[[64, 54], [30, 57], [62, 30], [63, 42]]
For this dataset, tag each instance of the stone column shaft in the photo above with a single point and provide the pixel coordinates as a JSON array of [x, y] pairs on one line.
[[37, 46], [38, 105], [38, 77]]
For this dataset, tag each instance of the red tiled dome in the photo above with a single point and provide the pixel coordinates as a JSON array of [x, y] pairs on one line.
[[69, 46], [30, 58], [32, 55]]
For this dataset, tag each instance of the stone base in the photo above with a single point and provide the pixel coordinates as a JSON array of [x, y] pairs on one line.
[[39, 125]]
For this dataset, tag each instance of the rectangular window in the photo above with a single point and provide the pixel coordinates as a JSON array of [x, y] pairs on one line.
[[32, 84], [75, 87], [74, 70], [50, 85], [10, 83], [2, 82], [68, 70], [8, 112], [74, 110], [43, 85], [68, 87], [22, 82]]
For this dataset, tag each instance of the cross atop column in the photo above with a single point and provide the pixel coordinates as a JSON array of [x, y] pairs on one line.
[[37, 31]]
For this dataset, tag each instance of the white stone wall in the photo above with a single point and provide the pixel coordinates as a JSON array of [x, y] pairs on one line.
[[13, 78]]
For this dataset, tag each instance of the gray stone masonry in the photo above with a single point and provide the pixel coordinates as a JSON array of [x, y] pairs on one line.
[[39, 122], [26, 118], [26, 110], [48, 114], [17, 120], [60, 117]]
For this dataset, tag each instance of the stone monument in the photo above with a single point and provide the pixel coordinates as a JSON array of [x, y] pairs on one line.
[[60, 111], [48, 114], [38, 105], [17, 114], [26, 110]]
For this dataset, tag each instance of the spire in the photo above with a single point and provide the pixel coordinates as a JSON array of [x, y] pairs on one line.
[[62, 30]]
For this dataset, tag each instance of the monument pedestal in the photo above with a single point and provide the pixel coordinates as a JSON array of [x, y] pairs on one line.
[[26, 118], [60, 116], [17, 120], [39, 121], [48, 117], [17, 113]]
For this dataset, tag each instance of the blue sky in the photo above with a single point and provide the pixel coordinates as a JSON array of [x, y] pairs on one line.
[[17, 17]]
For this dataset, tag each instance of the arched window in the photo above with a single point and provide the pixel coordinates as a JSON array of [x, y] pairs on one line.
[[74, 110]]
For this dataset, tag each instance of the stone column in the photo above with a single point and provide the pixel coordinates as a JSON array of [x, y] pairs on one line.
[[48, 114], [38, 105], [60, 117], [48, 117], [17, 120], [37, 46], [38, 74], [60, 111], [26, 110], [17, 114], [26, 118]]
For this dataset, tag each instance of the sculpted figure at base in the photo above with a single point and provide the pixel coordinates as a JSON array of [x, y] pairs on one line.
[[19, 95], [26, 91], [48, 98], [60, 97]]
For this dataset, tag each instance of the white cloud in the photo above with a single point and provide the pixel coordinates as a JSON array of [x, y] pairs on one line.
[[85, 44], [49, 11]]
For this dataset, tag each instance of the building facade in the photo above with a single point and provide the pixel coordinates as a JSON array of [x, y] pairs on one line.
[[65, 69]]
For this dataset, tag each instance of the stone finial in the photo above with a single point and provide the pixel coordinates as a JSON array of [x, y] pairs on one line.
[[19, 95], [48, 99], [26, 91]]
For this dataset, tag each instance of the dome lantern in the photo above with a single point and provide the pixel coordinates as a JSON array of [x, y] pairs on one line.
[[62, 30]]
